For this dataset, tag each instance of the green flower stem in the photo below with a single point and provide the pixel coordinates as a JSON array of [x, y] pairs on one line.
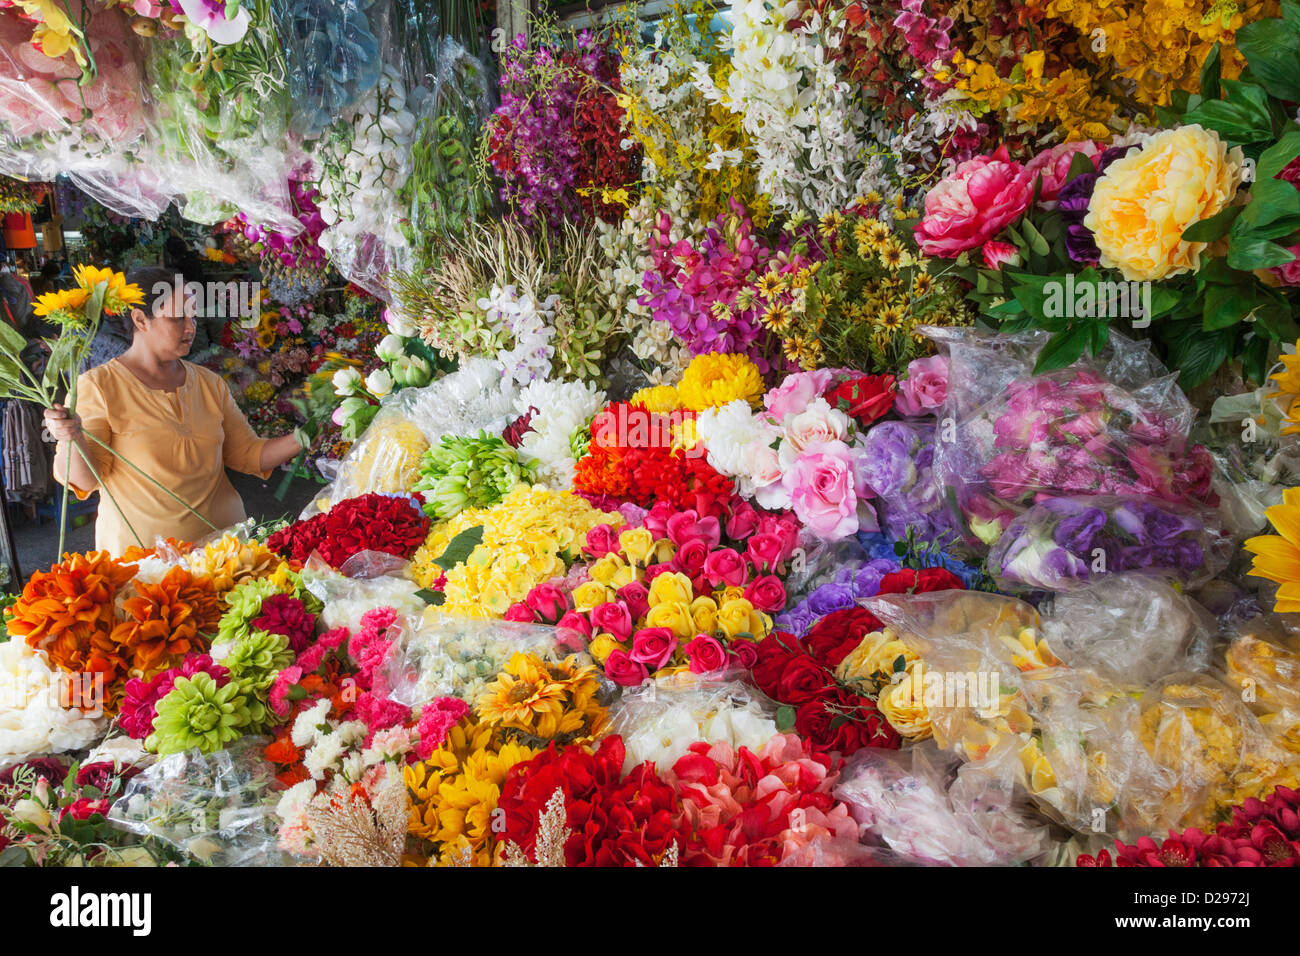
[[100, 482], [153, 481], [67, 470]]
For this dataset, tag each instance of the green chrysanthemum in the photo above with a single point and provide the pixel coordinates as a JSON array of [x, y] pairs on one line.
[[245, 603], [468, 472], [198, 713], [253, 661]]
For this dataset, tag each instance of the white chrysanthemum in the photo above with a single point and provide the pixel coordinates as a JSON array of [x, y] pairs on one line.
[[559, 409], [322, 757], [32, 720], [305, 726]]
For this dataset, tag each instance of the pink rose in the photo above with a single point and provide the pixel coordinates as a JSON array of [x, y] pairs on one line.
[[821, 487], [973, 204], [743, 521], [926, 387], [637, 598], [999, 254], [653, 646], [612, 617], [690, 557], [689, 526], [786, 527], [601, 540], [1053, 164], [793, 395], [575, 621], [764, 550], [706, 654], [622, 670], [656, 519], [548, 602], [519, 611], [725, 568], [815, 425], [744, 652], [767, 594]]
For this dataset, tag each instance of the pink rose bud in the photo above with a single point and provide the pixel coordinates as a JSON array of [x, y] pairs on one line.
[[576, 621], [622, 670], [637, 598], [613, 617], [548, 602], [743, 521], [767, 594], [656, 519], [999, 254], [764, 550], [653, 571], [726, 568], [706, 655], [653, 646], [519, 611]]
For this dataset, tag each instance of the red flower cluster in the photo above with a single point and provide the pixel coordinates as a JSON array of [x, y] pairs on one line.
[[614, 821], [828, 715], [1261, 833], [598, 130], [373, 522]]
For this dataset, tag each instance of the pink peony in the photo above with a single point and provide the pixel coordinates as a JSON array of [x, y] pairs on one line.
[[973, 204], [1053, 164], [820, 484], [926, 387]]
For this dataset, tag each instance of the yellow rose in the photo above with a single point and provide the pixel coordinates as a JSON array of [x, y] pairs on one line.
[[727, 595], [1143, 202], [704, 611], [586, 596], [605, 569], [636, 544], [676, 617], [602, 645], [903, 705], [623, 576], [736, 617], [664, 551], [1037, 768], [875, 655], [671, 588]]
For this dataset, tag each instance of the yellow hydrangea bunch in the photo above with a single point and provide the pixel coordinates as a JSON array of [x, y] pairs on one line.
[[525, 539], [390, 461]]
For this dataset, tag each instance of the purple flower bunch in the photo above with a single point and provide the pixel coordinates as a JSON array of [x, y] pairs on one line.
[[1072, 203], [898, 465], [1063, 543], [842, 591], [293, 250], [695, 290]]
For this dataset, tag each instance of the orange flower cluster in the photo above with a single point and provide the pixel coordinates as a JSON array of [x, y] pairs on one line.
[[68, 612]]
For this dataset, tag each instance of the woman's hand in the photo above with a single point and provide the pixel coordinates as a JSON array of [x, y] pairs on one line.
[[63, 426]]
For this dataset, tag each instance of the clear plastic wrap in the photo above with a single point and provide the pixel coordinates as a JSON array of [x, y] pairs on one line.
[[346, 599], [660, 719], [1065, 543], [445, 656], [928, 811], [1264, 661], [1114, 425], [1130, 629], [816, 562], [219, 807], [387, 457]]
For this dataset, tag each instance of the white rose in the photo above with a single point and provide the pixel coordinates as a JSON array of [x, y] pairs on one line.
[[815, 424], [379, 383], [30, 811]]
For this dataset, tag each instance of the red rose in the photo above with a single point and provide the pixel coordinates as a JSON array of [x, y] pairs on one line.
[[765, 550], [835, 636], [744, 652], [865, 398], [774, 652], [911, 581], [845, 723], [725, 568], [802, 680], [706, 654], [767, 594]]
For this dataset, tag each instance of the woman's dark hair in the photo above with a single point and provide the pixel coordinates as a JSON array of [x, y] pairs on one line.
[[157, 284]]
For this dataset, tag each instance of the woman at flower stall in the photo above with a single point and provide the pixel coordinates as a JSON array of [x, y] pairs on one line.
[[174, 420]]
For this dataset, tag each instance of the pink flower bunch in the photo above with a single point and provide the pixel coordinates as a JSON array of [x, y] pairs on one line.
[[1260, 833], [370, 646], [928, 42], [694, 289], [755, 809], [140, 706], [1072, 433], [436, 720], [925, 389], [1053, 165], [293, 250], [973, 204], [285, 614]]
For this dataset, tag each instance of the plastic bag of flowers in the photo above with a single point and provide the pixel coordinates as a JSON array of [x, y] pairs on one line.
[[346, 599], [386, 459], [1131, 629], [1264, 661], [660, 719], [1061, 544], [924, 808], [441, 655], [219, 808], [1115, 425]]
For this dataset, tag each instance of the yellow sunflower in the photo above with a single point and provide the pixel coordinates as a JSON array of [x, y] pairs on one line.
[[118, 295], [523, 695], [1277, 556], [67, 300]]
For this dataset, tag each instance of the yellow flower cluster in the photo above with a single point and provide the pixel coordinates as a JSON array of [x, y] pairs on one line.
[[230, 561], [660, 399], [1143, 202], [716, 378], [1266, 666], [1277, 556], [1028, 99], [260, 392], [1288, 390], [540, 701], [525, 540], [1160, 45], [455, 792], [389, 462]]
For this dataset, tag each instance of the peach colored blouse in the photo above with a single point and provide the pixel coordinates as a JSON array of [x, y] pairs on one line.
[[184, 440]]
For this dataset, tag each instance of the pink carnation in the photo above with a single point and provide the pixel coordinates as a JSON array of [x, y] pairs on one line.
[[973, 204], [436, 720]]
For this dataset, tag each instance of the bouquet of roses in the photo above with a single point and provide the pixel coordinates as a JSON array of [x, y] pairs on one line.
[[1065, 543]]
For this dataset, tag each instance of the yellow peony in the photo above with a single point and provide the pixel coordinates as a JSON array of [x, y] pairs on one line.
[[1143, 202], [716, 378]]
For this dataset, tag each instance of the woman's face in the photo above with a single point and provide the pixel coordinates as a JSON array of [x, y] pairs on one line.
[[169, 333]]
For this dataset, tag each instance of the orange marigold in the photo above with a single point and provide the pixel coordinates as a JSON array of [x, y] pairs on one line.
[[166, 620]]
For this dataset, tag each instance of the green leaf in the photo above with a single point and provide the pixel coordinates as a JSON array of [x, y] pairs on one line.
[[1250, 254], [431, 597], [1198, 355], [785, 718], [1254, 359], [1210, 74], [1243, 117], [11, 340], [1100, 335], [1272, 49], [1079, 165], [1063, 348], [1216, 227], [1274, 159], [1035, 238], [1224, 307], [13, 856], [459, 548], [1270, 200]]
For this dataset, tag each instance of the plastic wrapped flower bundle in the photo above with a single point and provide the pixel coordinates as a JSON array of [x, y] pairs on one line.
[[468, 472]]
